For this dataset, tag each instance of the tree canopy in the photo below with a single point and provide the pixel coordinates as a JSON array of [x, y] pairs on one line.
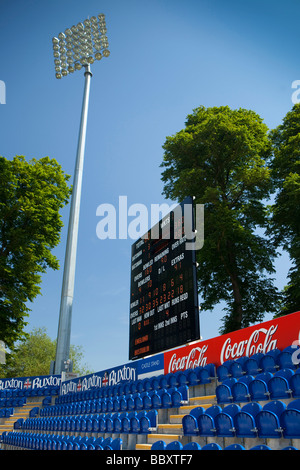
[[33, 355], [31, 196], [220, 157], [285, 223]]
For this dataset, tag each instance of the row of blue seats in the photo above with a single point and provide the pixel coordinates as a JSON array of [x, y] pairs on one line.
[[189, 377], [6, 412], [37, 392], [120, 423], [163, 398], [37, 441], [12, 402], [274, 420], [284, 384], [176, 445], [272, 361]]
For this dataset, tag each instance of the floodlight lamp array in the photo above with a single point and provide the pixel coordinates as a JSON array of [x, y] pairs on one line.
[[80, 45]]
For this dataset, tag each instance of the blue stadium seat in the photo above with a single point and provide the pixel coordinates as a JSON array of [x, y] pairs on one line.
[[190, 425], [192, 446], [156, 398], [223, 372], [155, 383], [261, 447], [206, 424], [212, 446], [190, 421], [135, 422], [174, 445], [294, 383], [114, 444], [148, 422], [268, 363], [159, 445], [223, 391], [285, 360], [290, 420], [258, 388], [235, 447], [116, 403], [244, 420], [278, 385], [240, 391], [224, 423], [171, 380], [107, 443], [192, 377], [98, 442], [146, 399], [236, 370], [205, 374], [268, 420], [182, 377], [251, 365]]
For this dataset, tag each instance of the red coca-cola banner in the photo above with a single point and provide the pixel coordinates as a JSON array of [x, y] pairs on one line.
[[263, 337]]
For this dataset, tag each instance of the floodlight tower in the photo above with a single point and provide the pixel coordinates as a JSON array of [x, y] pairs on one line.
[[75, 48]]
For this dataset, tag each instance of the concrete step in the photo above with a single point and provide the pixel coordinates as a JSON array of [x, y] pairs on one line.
[[20, 412], [194, 402], [143, 446], [167, 428]]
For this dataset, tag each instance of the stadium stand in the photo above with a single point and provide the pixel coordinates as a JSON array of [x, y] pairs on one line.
[[256, 406]]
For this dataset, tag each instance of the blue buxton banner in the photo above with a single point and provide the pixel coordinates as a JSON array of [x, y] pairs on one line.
[[30, 383], [125, 373]]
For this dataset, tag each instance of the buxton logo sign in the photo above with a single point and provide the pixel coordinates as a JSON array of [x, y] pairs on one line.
[[278, 333]]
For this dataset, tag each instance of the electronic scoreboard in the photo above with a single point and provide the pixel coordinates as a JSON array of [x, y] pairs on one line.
[[164, 310]]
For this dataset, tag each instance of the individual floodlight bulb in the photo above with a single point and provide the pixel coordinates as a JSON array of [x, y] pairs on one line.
[[98, 56], [58, 75], [106, 53], [61, 36], [90, 59], [71, 69], [64, 72], [55, 40], [78, 66]]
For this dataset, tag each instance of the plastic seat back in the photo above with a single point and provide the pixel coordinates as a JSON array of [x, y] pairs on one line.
[[174, 445], [192, 446], [212, 446], [159, 445], [190, 425]]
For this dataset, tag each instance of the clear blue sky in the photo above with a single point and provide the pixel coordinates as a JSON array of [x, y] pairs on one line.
[[167, 58]]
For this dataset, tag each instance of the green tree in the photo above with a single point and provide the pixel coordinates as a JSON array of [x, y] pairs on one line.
[[285, 226], [220, 158], [33, 356], [31, 195]]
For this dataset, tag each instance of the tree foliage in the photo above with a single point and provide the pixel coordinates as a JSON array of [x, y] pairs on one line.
[[285, 226], [220, 158], [31, 195], [33, 356]]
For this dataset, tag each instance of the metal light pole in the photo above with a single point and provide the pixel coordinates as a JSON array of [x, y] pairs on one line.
[[74, 49]]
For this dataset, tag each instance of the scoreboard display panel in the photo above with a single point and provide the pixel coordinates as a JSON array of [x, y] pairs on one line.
[[164, 310]]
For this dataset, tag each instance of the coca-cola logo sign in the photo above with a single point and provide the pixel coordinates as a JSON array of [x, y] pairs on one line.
[[196, 357], [260, 341], [277, 333]]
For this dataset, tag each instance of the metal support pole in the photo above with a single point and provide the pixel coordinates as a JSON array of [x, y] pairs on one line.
[[65, 314]]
